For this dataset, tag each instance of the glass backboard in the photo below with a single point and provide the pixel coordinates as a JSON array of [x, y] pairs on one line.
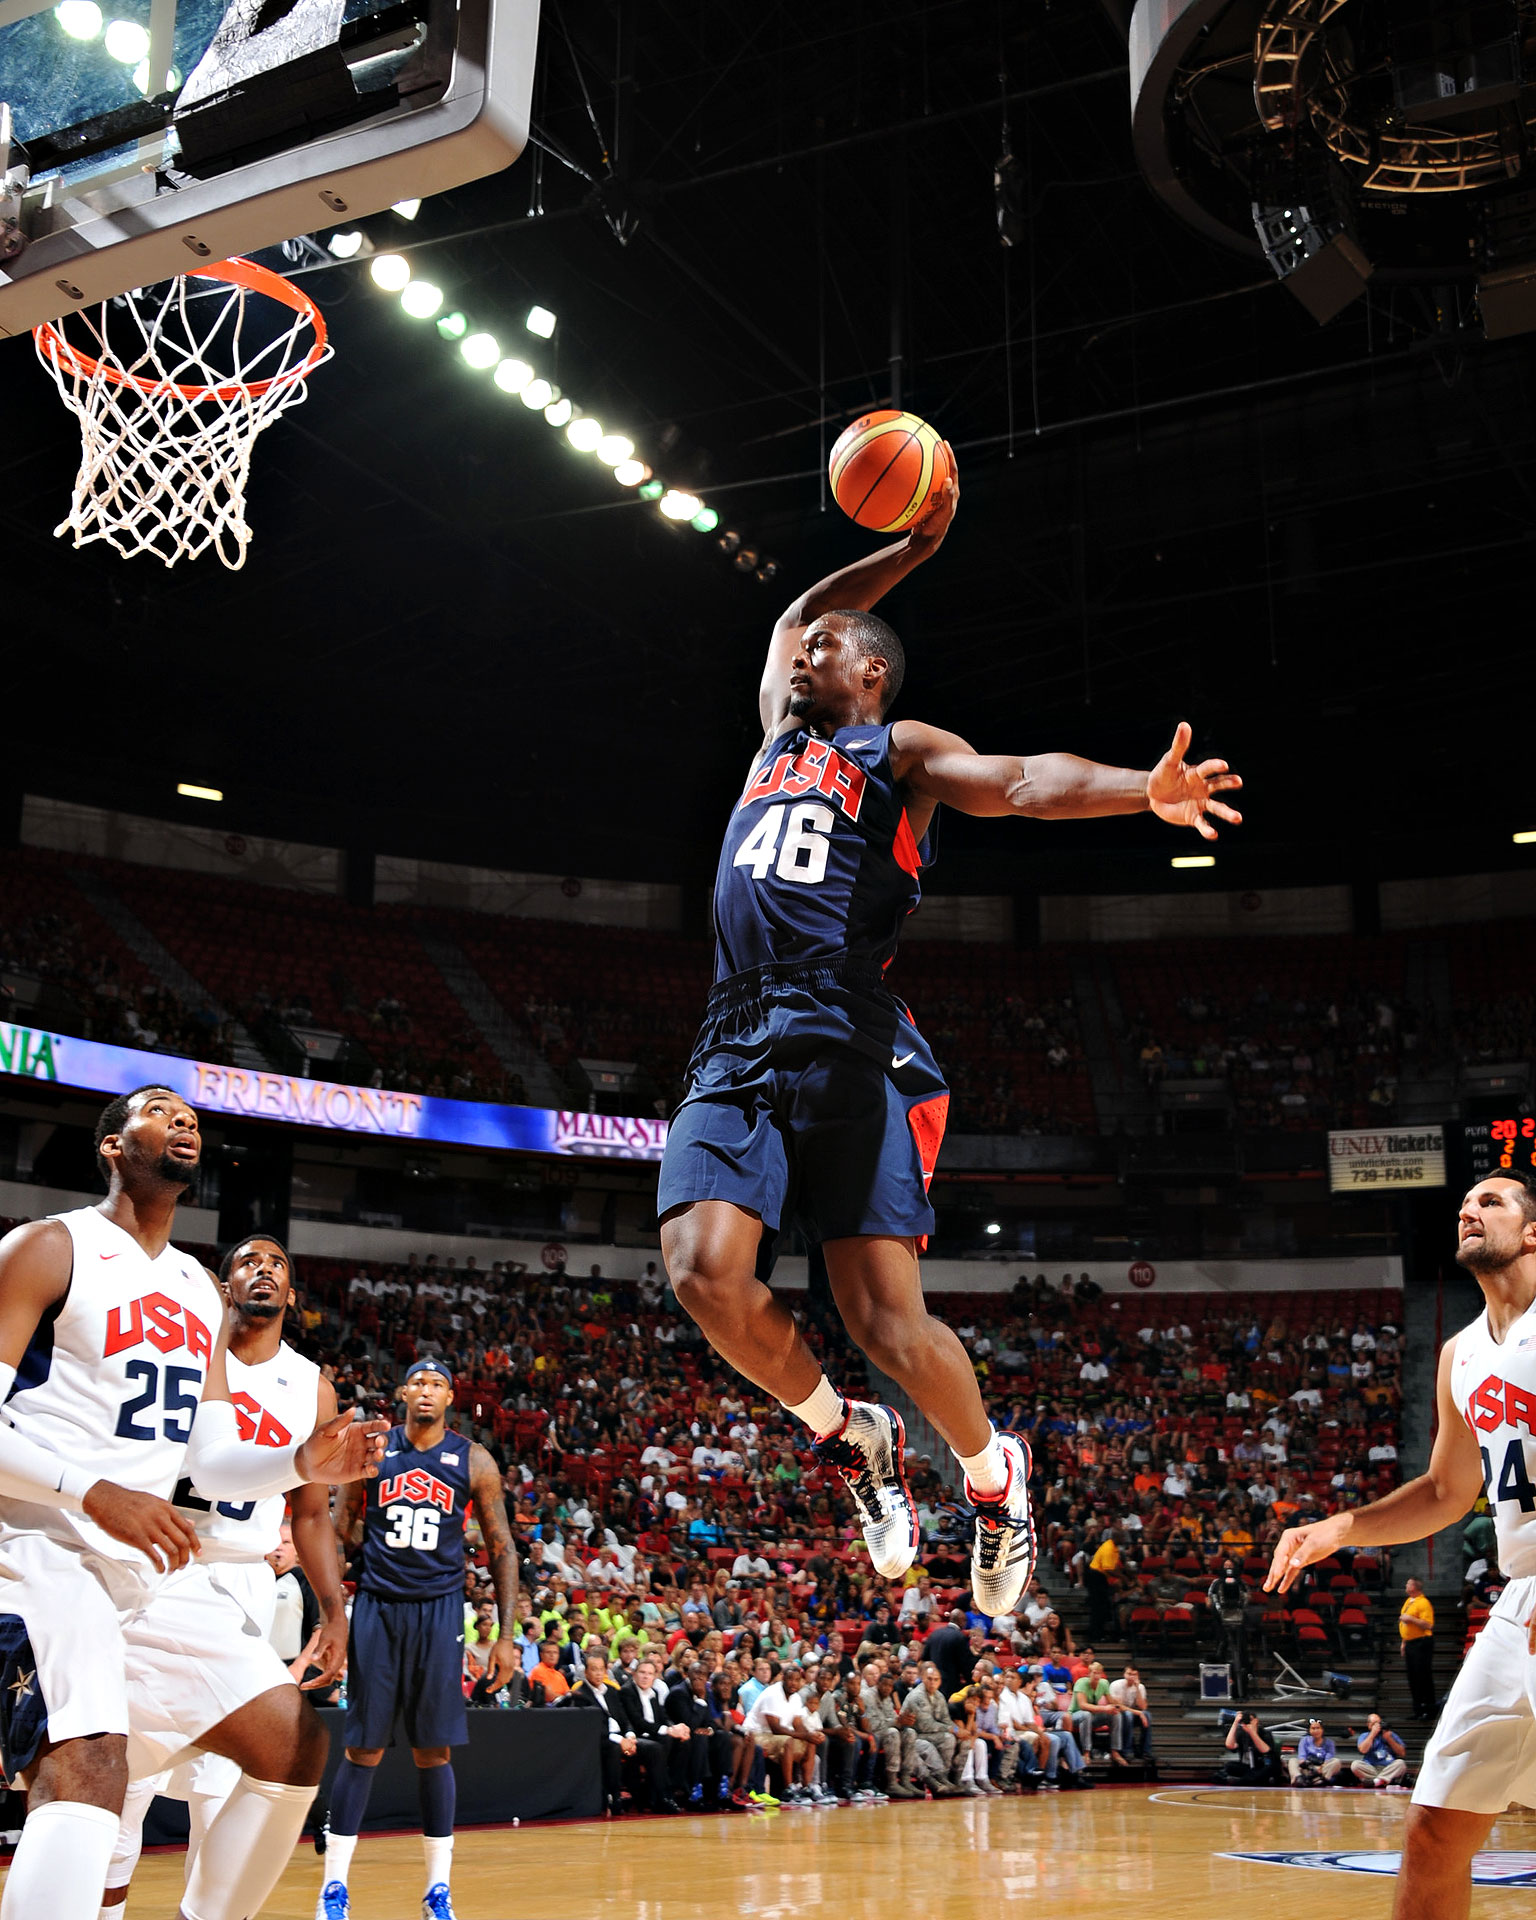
[[149, 136]]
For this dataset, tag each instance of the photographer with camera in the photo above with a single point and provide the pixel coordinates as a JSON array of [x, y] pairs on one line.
[[1229, 1602], [1257, 1758], [1383, 1759], [1316, 1762]]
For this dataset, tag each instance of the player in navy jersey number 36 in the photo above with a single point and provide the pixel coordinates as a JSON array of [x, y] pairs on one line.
[[812, 1096], [405, 1659]]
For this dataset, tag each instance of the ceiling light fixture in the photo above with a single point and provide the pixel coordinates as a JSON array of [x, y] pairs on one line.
[[127, 41], [421, 299], [537, 394], [629, 473], [391, 271], [189, 791], [513, 375], [540, 321], [346, 246], [558, 413], [584, 434], [677, 505], [80, 19], [480, 350], [1183, 860], [613, 449], [407, 209]]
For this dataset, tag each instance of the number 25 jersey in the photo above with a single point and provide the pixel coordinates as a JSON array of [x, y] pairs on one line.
[[819, 861], [112, 1378], [413, 1524], [1494, 1385]]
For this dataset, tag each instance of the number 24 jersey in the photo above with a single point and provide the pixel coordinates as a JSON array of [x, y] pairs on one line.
[[413, 1523]]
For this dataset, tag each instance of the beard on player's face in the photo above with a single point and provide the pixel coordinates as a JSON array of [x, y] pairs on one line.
[[176, 1170]]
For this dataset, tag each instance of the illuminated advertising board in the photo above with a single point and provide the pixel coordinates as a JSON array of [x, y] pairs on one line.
[[249, 1093], [1387, 1159]]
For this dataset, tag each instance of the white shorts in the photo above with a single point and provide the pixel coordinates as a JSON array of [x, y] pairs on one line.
[[1482, 1755], [196, 1654], [75, 1604]]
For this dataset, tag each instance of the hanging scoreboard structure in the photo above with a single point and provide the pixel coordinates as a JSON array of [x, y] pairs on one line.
[[1386, 1159]]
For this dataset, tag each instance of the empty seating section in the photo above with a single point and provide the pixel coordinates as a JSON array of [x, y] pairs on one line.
[[1002, 1024], [1493, 1007], [314, 961], [1307, 1032]]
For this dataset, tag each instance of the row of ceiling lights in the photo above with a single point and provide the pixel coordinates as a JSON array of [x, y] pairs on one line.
[[513, 375], [481, 350]]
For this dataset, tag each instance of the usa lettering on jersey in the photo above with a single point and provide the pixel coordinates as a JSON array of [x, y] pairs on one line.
[[257, 1425], [1498, 1403], [161, 1321], [417, 1488], [817, 768]]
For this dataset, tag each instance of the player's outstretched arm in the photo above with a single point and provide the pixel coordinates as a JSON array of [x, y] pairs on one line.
[[226, 1467], [1060, 786], [315, 1544], [855, 587], [36, 1261], [491, 1511], [1436, 1499]]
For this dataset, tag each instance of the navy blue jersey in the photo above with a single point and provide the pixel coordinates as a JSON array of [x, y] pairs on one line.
[[819, 860], [413, 1524]]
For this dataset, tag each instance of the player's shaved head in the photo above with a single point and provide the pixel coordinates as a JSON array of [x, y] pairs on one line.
[[873, 639]]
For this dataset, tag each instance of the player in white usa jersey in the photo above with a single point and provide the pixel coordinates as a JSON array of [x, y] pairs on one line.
[[113, 1378], [1482, 1755], [277, 1393]]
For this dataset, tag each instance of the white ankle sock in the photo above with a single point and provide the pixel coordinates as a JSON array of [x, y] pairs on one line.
[[339, 1848], [246, 1847], [823, 1411], [439, 1852], [60, 1864], [987, 1471]]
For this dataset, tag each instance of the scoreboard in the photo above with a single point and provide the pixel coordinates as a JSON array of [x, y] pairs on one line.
[[1506, 1143]]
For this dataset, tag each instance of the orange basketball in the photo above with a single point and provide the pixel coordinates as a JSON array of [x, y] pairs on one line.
[[887, 468]]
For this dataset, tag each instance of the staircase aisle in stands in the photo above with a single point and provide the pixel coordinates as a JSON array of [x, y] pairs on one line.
[[1119, 1100], [540, 1082], [131, 930]]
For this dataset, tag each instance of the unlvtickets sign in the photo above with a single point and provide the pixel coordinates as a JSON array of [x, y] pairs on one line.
[[249, 1093], [1385, 1159]]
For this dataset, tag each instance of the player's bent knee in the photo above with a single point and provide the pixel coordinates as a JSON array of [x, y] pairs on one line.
[[431, 1756], [1442, 1837], [365, 1756]]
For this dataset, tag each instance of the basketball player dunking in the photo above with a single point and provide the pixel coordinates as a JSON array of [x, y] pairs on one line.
[[812, 1096], [406, 1659], [1482, 1754], [113, 1376], [277, 1394]]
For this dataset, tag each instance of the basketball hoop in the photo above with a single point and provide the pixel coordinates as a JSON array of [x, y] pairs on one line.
[[166, 432]]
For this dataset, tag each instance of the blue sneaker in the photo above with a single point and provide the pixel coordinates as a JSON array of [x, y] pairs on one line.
[[437, 1903], [333, 1903], [696, 1795]]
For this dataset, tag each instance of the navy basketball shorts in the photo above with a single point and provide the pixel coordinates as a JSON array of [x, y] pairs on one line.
[[405, 1662], [812, 1100]]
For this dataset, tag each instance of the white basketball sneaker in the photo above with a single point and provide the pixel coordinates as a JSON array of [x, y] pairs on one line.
[[867, 1451], [1003, 1550]]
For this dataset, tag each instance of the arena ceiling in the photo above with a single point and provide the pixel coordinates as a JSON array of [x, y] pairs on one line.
[[1181, 496]]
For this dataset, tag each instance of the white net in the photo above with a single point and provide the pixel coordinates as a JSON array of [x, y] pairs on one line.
[[171, 386]]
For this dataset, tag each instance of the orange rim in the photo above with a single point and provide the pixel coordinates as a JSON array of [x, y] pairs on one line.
[[238, 273]]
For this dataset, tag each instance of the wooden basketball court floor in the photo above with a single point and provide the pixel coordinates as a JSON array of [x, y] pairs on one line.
[[1152, 1853]]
